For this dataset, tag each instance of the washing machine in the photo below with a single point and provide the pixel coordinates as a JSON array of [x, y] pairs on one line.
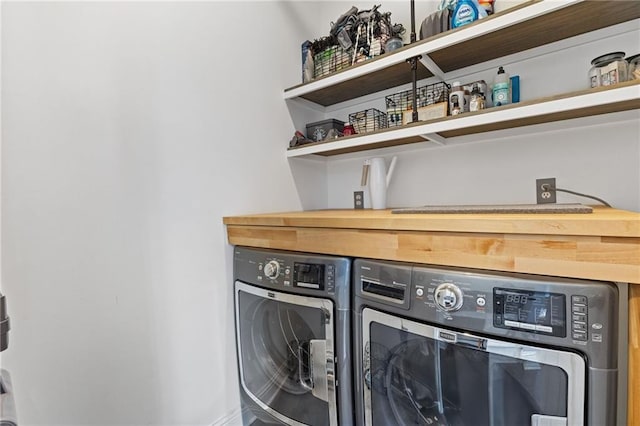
[[293, 334], [440, 346]]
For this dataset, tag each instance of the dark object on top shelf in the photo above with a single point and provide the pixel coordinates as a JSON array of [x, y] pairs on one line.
[[330, 60], [436, 23], [355, 37]]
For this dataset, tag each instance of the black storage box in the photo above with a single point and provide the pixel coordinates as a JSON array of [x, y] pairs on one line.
[[318, 131]]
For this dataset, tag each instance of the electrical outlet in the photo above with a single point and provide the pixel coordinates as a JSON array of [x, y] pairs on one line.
[[358, 199], [546, 191]]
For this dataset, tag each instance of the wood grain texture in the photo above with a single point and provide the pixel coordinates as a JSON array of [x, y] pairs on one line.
[[570, 21], [586, 257], [603, 222], [393, 76], [633, 408]]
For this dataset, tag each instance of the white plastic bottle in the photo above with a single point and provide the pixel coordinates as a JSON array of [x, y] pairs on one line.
[[501, 88]]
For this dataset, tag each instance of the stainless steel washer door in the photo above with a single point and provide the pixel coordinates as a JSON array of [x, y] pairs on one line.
[[286, 358], [418, 374]]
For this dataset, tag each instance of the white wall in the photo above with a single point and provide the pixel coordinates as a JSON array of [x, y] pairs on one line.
[[601, 160], [129, 130], [598, 155]]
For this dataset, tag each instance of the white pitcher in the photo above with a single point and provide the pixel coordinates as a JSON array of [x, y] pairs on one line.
[[375, 171]]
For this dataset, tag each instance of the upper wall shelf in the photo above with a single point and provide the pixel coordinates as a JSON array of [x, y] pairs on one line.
[[531, 24], [584, 103]]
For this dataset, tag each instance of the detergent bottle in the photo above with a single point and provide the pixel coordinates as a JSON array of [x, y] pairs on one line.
[[465, 12]]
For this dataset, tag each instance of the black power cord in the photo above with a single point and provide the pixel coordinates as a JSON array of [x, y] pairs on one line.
[[547, 187]]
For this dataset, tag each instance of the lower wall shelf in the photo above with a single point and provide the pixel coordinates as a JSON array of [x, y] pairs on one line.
[[584, 103]]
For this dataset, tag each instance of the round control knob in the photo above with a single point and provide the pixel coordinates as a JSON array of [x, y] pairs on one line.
[[448, 297], [272, 269], [419, 292]]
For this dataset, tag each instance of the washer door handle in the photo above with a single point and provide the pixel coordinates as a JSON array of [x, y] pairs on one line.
[[312, 368]]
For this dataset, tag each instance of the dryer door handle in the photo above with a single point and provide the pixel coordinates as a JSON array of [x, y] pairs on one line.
[[312, 368], [319, 360]]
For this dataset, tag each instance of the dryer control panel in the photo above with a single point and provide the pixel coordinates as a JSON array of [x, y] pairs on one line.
[[286, 272], [291, 271]]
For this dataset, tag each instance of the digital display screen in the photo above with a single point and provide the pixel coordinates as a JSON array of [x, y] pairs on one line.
[[530, 311], [308, 275]]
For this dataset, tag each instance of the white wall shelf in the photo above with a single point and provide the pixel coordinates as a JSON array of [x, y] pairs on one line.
[[531, 24], [591, 102]]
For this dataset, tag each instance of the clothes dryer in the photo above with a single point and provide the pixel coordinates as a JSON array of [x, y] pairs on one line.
[[292, 315], [439, 346]]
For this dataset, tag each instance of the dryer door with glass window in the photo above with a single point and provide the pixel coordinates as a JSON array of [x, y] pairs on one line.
[[416, 374], [285, 346]]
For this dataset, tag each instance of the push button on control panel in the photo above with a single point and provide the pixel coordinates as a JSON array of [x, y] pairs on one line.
[[580, 336], [331, 278], [579, 299], [579, 318]]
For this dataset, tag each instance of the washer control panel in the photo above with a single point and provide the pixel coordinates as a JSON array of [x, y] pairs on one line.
[[561, 312], [448, 297], [529, 307]]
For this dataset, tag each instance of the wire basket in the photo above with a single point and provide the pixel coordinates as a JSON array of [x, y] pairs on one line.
[[368, 120], [330, 60], [432, 94]]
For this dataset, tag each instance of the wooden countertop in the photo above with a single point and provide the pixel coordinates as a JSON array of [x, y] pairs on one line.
[[603, 245], [602, 222]]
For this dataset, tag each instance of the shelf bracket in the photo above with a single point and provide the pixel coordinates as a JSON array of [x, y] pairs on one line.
[[432, 66], [434, 137]]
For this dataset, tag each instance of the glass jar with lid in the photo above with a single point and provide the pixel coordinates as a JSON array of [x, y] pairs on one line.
[[608, 69], [633, 67]]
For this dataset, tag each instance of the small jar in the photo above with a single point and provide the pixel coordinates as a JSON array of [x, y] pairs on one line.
[[394, 43], [477, 99], [608, 69], [633, 67]]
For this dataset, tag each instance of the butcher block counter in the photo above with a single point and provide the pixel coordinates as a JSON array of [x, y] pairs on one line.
[[603, 245]]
